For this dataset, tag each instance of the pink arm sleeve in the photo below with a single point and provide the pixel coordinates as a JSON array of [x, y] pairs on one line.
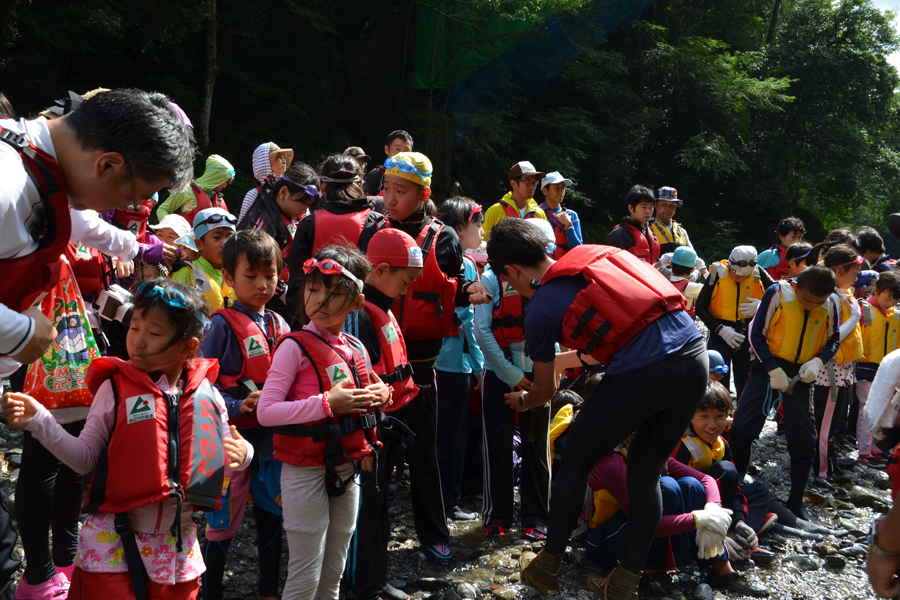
[[79, 453], [291, 373]]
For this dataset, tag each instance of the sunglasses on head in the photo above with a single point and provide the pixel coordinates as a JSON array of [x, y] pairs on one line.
[[743, 263], [406, 167], [331, 267], [218, 218]]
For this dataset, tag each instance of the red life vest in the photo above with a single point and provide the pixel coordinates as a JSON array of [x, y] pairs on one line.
[[393, 367], [646, 246], [562, 240], [513, 212], [428, 310], [331, 228], [203, 202], [624, 294], [508, 319], [137, 467], [689, 302], [27, 279], [331, 440], [91, 269], [134, 221], [256, 351], [781, 270]]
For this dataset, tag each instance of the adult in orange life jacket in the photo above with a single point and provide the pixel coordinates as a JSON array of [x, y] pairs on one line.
[[46, 168], [774, 260], [518, 202], [204, 192], [242, 338], [795, 332], [614, 309], [633, 233], [161, 398], [566, 226], [426, 316], [345, 217], [397, 262], [726, 304]]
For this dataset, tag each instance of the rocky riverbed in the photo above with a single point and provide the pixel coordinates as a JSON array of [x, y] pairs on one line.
[[833, 569]]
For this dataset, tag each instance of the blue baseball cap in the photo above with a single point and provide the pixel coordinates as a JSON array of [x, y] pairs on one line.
[[212, 218], [684, 256]]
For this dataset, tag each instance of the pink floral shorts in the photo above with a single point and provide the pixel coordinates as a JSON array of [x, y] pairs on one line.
[[100, 551]]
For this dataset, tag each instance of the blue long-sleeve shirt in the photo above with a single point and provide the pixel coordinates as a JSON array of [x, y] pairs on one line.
[[452, 358], [771, 300], [573, 233], [510, 373], [221, 343]]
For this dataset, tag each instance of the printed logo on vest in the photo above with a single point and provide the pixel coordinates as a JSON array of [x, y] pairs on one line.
[[509, 290], [415, 257], [390, 334], [134, 226], [338, 373], [140, 408], [254, 346]]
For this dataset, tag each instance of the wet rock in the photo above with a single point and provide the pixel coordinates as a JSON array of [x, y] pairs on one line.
[[450, 594], [862, 496], [835, 561], [397, 583], [804, 563], [466, 590], [879, 506], [704, 592], [854, 550], [14, 460], [504, 593], [430, 584]]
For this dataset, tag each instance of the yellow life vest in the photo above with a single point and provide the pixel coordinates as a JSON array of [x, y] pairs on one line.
[[795, 334], [664, 236], [605, 506], [852, 346], [879, 333], [560, 424], [728, 295], [213, 293], [702, 454]]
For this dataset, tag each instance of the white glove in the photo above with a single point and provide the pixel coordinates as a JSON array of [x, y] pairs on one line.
[[778, 379], [699, 265], [736, 551], [665, 260], [748, 307], [810, 369], [709, 544], [746, 532], [713, 517], [731, 337]]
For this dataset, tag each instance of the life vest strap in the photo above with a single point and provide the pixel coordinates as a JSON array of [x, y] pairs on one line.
[[431, 297], [399, 374], [319, 431], [245, 386], [583, 320], [507, 321], [598, 335], [136, 568]]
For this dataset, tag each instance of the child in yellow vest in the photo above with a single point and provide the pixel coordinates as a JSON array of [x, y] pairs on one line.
[[795, 332], [212, 228], [880, 328]]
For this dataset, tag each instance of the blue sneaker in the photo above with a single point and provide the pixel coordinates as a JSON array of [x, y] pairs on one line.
[[438, 554]]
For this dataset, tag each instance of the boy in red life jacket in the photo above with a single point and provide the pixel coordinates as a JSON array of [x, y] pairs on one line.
[[566, 226], [518, 203], [397, 263], [242, 338], [426, 316], [346, 217], [683, 264], [614, 309], [633, 233], [774, 260]]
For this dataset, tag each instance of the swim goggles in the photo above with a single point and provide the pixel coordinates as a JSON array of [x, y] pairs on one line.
[[406, 167], [311, 190], [719, 369], [476, 208], [218, 218], [331, 267], [742, 263], [172, 298]]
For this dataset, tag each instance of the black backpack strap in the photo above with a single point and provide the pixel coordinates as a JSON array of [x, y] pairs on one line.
[[132, 556]]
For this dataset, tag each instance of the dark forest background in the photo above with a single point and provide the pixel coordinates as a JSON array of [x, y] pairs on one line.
[[753, 109]]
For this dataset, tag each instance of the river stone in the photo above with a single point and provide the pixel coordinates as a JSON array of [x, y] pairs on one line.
[[704, 592], [835, 561], [397, 583], [804, 563], [466, 590], [505, 593], [862, 496], [430, 583]]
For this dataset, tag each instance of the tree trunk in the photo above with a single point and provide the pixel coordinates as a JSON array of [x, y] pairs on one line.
[[209, 76], [437, 24], [773, 22]]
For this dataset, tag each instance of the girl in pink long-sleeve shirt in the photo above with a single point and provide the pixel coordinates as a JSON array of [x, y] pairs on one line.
[[309, 391], [135, 402]]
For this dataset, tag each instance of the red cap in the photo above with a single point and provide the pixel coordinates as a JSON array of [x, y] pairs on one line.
[[395, 248]]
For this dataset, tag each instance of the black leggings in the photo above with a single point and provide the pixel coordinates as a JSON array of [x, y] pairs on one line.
[[655, 402], [48, 495]]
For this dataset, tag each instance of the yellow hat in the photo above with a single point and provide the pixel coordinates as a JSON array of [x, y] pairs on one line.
[[414, 166]]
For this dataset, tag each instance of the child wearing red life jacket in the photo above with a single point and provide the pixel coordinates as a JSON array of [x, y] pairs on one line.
[[397, 262], [204, 192], [346, 217], [458, 363], [242, 338], [139, 540], [790, 230], [426, 315], [319, 396], [280, 206]]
